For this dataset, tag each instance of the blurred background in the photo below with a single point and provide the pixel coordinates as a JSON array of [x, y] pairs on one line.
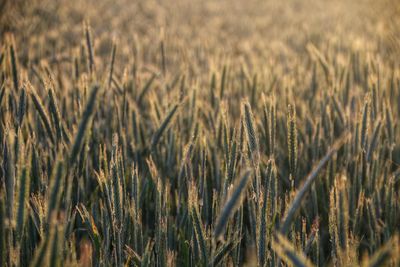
[[49, 28]]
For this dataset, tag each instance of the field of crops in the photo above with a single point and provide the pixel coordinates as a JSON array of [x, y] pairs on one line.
[[199, 133]]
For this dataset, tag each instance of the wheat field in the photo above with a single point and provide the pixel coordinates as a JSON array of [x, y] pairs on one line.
[[199, 133]]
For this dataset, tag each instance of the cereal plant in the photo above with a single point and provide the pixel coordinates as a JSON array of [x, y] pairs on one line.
[[199, 133]]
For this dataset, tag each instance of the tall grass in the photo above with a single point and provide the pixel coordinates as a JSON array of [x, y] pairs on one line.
[[228, 140]]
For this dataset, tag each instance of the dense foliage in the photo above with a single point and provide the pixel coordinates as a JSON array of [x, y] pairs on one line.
[[199, 133]]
